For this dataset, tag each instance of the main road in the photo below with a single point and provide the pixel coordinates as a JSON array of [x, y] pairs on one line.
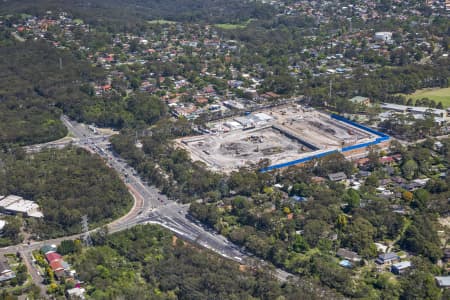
[[150, 206]]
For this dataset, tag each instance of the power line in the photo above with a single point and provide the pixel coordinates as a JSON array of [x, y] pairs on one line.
[[85, 229]]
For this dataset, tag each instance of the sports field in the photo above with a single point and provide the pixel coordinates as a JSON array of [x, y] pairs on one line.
[[438, 95]]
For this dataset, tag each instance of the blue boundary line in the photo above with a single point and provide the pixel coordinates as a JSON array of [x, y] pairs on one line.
[[382, 137]]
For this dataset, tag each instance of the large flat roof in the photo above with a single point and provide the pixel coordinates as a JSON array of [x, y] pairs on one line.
[[19, 205]]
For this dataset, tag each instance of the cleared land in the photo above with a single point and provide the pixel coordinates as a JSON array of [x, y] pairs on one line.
[[161, 21], [280, 135], [239, 148], [438, 95]]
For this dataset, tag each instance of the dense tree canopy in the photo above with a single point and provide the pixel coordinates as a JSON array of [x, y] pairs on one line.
[[67, 184], [147, 262]]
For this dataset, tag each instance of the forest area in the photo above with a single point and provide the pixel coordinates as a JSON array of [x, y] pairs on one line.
[[118, 14], [35, 80], [67, 184], [40, 82], [148, 262]]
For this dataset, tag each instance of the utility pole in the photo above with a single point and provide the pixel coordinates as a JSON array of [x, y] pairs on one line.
[[331, 87], [85, 229], [60, 63]]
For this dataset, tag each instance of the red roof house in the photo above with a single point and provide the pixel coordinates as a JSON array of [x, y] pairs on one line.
[[52, 256], [56, 265], [386, 160]]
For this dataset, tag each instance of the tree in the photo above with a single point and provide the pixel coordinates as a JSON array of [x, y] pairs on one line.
[[359, 237], [314, 230], [408, 196], [421, 198], [352, 198], [66, 247], [342, 221], [409, 169], [419, 285], [374, 159], [371, 180], [299, 244], [421, 238]]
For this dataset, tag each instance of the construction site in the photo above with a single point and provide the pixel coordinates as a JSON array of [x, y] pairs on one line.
[[286, 136]]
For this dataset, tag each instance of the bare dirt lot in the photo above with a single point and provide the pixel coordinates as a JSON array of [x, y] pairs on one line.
[[282, 134]]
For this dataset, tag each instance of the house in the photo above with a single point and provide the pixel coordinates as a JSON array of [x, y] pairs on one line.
[[398, 179], [384, 36], [386, 160], [401, 267], [360, 100], [51, 256], [364, 173], [56, 265], [317, 179], [443, 281], [5, 271], [76, 293], [348, 255], [387, 258], [339, 176]]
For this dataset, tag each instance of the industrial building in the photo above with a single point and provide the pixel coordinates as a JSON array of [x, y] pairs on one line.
[[16, 204]]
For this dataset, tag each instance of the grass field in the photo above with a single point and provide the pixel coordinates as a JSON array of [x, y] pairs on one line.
[[229, 26], [438, 95]]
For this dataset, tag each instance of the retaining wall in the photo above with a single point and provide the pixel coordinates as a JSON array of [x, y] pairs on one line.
[[381, 139]]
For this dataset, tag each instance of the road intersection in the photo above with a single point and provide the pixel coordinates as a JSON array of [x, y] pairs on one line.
[[150, 206]]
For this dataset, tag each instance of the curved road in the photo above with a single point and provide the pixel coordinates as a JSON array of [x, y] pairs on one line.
[[150, 206]]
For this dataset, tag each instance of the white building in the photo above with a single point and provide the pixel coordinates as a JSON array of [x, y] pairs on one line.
[[384, 36], [2, 225], [76, 293], [15, 204], [416, 110]]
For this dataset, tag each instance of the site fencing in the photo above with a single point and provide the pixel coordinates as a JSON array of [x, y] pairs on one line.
[[382, 137]]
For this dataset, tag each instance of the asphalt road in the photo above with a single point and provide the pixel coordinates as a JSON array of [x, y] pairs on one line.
[[150, 206]]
